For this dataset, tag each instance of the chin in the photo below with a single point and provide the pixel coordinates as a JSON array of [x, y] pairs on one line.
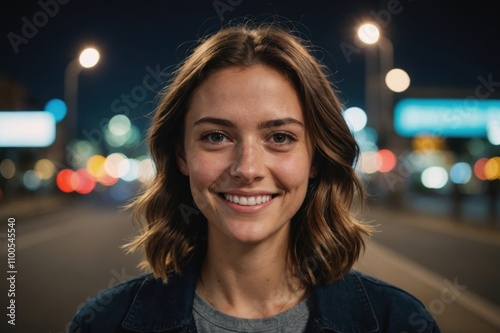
[[252, 233]]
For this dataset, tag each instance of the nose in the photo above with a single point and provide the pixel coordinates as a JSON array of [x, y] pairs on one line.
[[248, 165]]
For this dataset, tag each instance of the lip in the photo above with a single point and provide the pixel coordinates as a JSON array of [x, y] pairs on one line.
[[252, 193]]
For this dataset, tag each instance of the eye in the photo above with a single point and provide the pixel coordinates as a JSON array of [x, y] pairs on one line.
[[282, 138], [214, 137]]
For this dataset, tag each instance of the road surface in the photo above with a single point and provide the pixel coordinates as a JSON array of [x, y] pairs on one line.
[[66, 256]]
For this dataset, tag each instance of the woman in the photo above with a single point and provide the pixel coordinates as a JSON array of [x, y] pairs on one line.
[[249, 225]]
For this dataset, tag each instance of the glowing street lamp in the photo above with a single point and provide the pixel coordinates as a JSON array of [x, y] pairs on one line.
[[376, 90], [88, 58], [368, 33]]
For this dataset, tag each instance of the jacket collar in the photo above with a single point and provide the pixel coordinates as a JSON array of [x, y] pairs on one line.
[[344, 306], [159, 307], [341, 307]]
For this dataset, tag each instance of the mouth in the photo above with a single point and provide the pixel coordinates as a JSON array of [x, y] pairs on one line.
[[247, 200]]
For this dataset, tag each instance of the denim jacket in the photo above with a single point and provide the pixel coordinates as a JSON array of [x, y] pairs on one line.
[[357, 303]]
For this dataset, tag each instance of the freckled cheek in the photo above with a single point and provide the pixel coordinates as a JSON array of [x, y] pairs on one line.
[[204, 171], [292, 173]]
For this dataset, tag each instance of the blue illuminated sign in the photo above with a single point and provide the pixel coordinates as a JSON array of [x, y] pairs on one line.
[[446, 117]]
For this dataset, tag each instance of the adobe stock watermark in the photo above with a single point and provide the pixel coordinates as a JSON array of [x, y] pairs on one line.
[[101, 299], [222, 6], [437, 306], [405, 167], [30, 27], [383, 17], [127, 102]]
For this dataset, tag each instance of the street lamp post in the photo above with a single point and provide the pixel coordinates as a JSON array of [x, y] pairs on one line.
[[380, 88], [88, 58], [386, 51], [379, 95]]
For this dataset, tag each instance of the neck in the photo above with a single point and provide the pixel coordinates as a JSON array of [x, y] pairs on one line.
[[249, 281]]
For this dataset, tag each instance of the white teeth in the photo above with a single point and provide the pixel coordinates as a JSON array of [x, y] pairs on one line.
[[247, 201]]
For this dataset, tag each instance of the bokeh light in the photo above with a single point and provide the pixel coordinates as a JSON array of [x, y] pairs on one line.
[[79, 152], [493, 132], [460, 173], [44, 169], [428, 143], [114, 166], [95, 166], [492, 168], [434, 177], [366, 139], [82, 181], [369, 162], [63, 180], [479, 168], [386, 160], [57, 107], [355, 118], [119, 125], [31, 181], [132, 173], [113, 140], [369, 33], [133, 137], [7, 168], [89, 57], [397, 80]]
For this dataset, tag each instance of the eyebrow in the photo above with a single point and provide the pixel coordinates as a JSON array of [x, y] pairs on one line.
[[265, 124], [280, 122], [215, 121]]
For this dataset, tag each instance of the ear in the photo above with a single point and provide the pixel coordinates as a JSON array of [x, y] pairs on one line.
[[180, 158]]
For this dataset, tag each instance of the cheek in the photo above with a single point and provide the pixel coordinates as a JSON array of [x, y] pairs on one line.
[[292, 172], [205, 169]]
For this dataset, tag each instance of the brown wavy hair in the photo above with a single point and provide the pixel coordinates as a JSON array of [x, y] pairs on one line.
[[325, 238]]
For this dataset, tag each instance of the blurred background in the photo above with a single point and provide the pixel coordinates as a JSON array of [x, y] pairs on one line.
[[420, 82]]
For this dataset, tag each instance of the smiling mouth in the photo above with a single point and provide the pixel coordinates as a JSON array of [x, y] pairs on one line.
[[247, 200]]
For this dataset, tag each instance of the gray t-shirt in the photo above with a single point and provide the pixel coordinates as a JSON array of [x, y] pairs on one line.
[[208, 319]]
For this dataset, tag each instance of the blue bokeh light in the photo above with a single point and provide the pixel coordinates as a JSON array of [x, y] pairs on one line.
[[57, 107]]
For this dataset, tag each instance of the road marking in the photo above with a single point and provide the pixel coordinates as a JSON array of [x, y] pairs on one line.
[[468, 300], [444, 226]]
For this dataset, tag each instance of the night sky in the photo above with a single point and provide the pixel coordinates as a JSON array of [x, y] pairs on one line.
[[439, 43]]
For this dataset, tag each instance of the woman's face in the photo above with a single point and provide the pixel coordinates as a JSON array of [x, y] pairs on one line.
[[246, 153]]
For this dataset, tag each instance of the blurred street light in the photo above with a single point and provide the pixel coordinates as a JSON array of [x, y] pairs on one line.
[[380, 78], [397, 80], [368, 33], [378, 97], [88, 58]]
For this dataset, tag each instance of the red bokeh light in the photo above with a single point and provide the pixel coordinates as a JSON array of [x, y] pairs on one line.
[[387, 160], [63, 180]]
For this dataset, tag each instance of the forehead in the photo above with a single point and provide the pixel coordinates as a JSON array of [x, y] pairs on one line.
[[250, 92]]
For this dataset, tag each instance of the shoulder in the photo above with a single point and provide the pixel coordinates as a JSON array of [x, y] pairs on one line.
[[107, 309], [394, 307], [362, 303]]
